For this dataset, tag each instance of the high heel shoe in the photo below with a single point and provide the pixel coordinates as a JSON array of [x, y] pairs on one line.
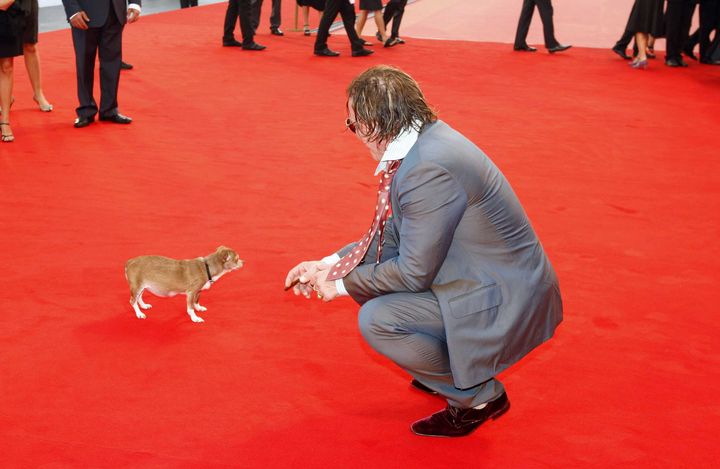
[[45, 107], [7, 138], [306, 30], [12, 101], [643, 64]]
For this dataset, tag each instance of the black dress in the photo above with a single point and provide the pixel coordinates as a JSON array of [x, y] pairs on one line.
[[12, 28], [30, 36], [319, 5], [371, 5], [647, 17]]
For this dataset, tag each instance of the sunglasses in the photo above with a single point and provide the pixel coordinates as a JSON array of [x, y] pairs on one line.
[[350, 125]]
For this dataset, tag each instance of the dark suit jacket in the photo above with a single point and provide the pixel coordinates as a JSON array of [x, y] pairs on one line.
[[459, 230], [97, 10]]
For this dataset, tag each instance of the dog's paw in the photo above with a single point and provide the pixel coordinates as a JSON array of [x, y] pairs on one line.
[[200, 308], [146, 306], [198, 319], [140, 316]]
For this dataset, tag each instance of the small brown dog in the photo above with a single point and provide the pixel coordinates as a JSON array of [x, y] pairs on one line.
[[168, 277]]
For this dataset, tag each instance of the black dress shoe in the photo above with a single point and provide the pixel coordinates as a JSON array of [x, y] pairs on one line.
[[709, 62], [400, 40], [116, 119], [232, 43], [276, 32], [689, 54], [453, 421], [675, 62], [326, 53], [524, 48], [362, 52], [622, 53], [253, 46], [83, 122], [421, 387], [125, 66], [558, 48]]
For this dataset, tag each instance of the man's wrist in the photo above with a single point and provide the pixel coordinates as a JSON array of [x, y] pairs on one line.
[[136, 7]]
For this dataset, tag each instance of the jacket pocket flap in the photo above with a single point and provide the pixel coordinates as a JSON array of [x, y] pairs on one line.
[[476, 301]]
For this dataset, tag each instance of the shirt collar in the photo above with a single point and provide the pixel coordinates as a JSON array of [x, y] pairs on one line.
[[398, 148]]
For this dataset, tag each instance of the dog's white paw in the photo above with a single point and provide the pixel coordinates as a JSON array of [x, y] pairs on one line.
[[198, 319], [200, 308], [140, 316], [146, 306]]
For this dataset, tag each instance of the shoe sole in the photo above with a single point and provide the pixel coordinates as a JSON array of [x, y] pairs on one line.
[[494, 416]]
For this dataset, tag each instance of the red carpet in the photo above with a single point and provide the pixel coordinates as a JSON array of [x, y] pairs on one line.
[[246, 149]]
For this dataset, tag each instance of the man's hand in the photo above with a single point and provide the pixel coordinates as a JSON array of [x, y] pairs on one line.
[[299, 277], [324, 289], [132, 15], [80, 20]]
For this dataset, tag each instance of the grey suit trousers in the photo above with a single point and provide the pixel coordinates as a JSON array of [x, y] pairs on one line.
[[408, 329]]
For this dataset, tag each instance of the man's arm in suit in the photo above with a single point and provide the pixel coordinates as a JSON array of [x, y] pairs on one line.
[[432, 204], [72, 7]]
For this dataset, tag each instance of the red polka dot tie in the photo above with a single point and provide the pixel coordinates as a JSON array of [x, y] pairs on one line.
[[382, 211]]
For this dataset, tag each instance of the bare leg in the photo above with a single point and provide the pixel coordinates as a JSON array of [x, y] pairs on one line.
[[642, 43], [362, 18], [380, 25], [32, 63], [6, 87]]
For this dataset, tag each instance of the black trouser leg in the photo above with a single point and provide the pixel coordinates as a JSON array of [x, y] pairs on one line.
[[110, 55], [255, 9], [709, 17], [238, 9], [329, 13], [276, 14], [677, 26], [526, 12], [624, 41], [86, 44], [347, 13], [546, 15]]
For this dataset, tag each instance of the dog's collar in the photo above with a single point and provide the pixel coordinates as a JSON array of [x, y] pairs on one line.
[[207, 269]]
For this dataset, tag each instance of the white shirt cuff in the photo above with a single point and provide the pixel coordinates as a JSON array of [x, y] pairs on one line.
[[339, 285], [73, 16], [135, 6]]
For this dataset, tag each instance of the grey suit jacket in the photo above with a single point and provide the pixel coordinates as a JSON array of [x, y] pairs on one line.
[[459, 230], [97, 10]]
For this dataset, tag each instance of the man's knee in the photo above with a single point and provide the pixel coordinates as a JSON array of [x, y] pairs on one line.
[[6, 66], [374, 323]]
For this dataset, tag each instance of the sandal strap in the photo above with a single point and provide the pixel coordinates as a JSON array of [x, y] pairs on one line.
[[4, 123]]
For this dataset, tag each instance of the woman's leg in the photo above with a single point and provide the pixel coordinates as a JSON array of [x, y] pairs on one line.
[[6, 86], [641, 39], [32, 63], [380, 23], [362, 17]]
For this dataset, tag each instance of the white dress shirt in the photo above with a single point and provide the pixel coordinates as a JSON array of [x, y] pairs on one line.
[[396, 150]]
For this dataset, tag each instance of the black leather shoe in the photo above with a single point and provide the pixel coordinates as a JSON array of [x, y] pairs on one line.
[[362, 52], [675, 63], [689, 54], [276, 32], [524, 48], [559, 48], [622, 53], [232, 43], [453, 421], [81, 122], [116, 119], [709, 62], [125, 66], [253, 46], [421, 387], [326, 53]]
